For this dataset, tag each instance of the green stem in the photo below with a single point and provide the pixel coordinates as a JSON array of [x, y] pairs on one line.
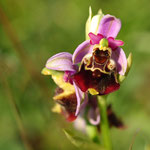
[[92, 133], [104, 125]]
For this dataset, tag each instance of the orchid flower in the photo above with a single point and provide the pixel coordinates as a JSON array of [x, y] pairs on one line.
[[97, 67], [103, 64], [68, 95], [102, 59]]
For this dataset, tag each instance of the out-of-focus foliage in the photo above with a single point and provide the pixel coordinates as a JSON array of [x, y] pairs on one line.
[[46, 27]]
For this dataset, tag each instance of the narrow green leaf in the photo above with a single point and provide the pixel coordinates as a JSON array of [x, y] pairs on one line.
[[77, 141], [84, 143]]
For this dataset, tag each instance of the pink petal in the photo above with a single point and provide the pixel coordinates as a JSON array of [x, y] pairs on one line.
[[114, 43], [83, 49], [95, 38], [121, 61], [109, 26], [61, 61]]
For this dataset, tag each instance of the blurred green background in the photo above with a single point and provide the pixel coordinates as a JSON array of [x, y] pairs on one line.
[[33, 30]]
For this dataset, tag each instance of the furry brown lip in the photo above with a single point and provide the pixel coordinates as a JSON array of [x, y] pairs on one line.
[[100, 56]]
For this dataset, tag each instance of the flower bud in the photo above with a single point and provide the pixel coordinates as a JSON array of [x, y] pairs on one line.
[[92, 23], [129, 64]]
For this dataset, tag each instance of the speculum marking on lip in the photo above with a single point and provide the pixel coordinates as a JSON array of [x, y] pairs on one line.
[[101, 56]]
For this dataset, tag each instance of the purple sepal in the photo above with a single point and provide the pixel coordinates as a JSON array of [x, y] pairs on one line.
[[61, 62], [121, 61], [109, 26], [79, 95], [83, 49]]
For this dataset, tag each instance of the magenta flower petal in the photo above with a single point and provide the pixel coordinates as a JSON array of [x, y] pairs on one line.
[[95, 38], [83, 49], [109, 26], [114, 43], [79, 95], [61, 62], [121, 61]]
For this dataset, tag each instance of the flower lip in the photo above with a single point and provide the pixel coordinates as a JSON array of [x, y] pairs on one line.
[[102, 83], [68, 104]]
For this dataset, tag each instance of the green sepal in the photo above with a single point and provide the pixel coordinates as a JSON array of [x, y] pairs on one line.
[[46, 71], [92, 23], [129, 64], [88, 23], [57, 77]]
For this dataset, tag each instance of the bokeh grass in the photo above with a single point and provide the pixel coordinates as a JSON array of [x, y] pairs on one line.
[[46, 27]]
